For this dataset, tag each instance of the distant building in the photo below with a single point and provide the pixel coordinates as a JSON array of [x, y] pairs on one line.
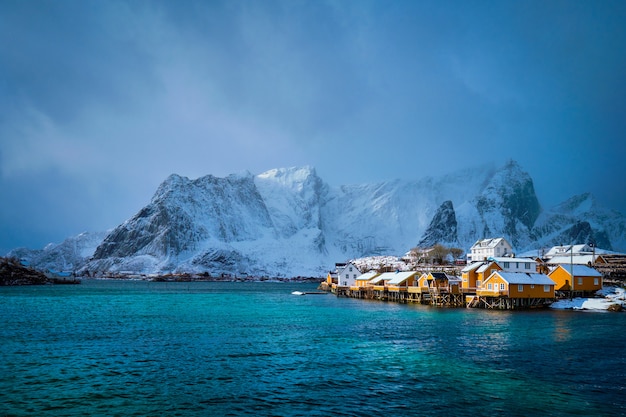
[[347, 275], [489, 248]]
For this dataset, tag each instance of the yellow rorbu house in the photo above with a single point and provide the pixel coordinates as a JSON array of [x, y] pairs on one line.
[[584, 278], [398, 285], [509, 290]]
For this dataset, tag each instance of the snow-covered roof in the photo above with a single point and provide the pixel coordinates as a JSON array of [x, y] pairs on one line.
[[525, 278], [580, 270], [367, 276], [472, 266], [488, 243], [484, 267], [386, 276], [452, 279], [558, 250], [576, 259], [400, 277]]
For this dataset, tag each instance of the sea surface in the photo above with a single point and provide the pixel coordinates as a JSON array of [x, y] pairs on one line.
[[136, 348]]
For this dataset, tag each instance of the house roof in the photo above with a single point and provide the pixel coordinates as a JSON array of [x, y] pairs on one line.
[[400, 277], [525, 278], [438, 275], [576, 249], [386, 276], [576, 259], [579, 270], [367, 276], [484, 267], [341, 269], [488, 243], [452, 279], [472, 266]]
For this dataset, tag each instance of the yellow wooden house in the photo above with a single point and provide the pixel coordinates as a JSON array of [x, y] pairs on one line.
[[422, 283], [484, 271], [517, 285], [401, 280], [583, 278], [440, 281], [364, 280]]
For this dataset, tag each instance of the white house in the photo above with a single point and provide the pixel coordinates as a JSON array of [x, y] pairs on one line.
[[489, 248], [569, 250], [347, 275]]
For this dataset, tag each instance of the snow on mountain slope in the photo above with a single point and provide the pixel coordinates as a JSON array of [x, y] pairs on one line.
[[69, 255], [288, 222]]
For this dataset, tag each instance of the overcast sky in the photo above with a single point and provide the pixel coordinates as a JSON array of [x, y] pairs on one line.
[[101, 100]]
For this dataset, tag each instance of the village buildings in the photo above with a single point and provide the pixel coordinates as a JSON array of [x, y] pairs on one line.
[[494, 279], [489, 248]]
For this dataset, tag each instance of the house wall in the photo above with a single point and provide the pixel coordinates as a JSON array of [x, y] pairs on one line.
[[530, 291], [481, 277], [469, 279], [561, 278], [513, 290], [480, 253]]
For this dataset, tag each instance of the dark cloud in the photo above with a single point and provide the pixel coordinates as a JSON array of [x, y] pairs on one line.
[[100, 101]]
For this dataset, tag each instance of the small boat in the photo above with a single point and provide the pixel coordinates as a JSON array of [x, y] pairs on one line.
[[308, 292]]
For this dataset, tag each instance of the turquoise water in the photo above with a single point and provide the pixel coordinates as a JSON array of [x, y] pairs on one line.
[[219, 349]]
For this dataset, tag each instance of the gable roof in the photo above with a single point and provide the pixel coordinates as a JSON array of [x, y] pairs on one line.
[[489, 243], [386, 276], [524, 278], [341, 269], [576, 259], [367, 276], [439, 275], [400, 277], [486, 266], [472, 266], [579, 270]]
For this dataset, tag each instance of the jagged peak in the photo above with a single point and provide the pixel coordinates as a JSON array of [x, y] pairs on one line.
[[290, 174], [580, 203]]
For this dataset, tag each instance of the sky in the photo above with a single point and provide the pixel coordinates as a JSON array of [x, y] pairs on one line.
[[101, 100]]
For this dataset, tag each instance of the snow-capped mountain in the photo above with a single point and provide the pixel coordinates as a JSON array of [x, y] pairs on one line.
[[288, 222], [69, 255]]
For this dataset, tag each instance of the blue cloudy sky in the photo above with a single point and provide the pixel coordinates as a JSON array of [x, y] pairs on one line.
[[101, 100]]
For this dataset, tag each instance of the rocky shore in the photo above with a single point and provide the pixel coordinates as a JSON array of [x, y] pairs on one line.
[[12, 272]]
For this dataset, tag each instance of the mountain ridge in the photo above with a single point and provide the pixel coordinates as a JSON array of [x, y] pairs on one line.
[[289, 222]]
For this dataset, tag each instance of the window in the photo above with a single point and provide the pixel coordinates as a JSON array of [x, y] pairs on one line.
[[354, 276], [532, 286], [489, 286], [350, 269], [546, 288], [506, 264], [347, 276], [596, 281], [520, 288], [502, 286], [527, 265], [580, 280]]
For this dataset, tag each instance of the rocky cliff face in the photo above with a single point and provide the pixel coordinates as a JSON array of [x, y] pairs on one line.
[[442, 228], [221, 225]]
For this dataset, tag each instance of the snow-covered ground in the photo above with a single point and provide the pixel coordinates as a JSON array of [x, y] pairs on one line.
[[606, 297]]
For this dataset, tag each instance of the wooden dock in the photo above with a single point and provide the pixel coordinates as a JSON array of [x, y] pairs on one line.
[[438, 297]]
